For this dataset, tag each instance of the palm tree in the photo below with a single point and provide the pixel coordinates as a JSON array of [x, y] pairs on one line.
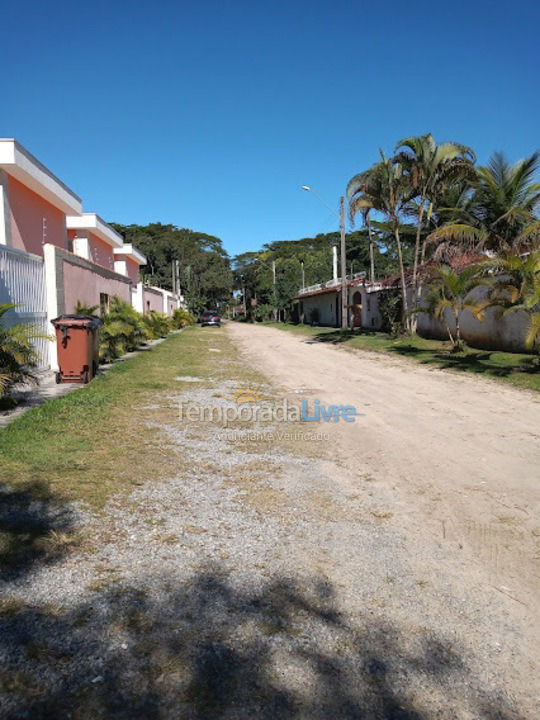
[[451, 290], [502, 212], [431, 169], [17, 354], [515, 285], [384, 187]]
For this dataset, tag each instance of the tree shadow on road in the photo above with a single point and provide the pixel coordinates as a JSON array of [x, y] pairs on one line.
[[480, 362], [210, 648], [34, 529]]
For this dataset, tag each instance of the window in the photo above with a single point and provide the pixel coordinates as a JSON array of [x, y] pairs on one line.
[[103, 303]]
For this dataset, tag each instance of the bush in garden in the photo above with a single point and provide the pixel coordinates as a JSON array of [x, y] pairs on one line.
[[157, 324], [18, 357], [124, 329], [182, 318]]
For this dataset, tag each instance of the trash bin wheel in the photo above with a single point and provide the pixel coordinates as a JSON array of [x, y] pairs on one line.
[[58, 377], [86, 376]]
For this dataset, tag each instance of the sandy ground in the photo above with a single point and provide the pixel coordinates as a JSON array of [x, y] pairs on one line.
[[456, 459]]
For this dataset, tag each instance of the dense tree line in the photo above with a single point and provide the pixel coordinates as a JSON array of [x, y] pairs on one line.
[[205, 267], [253, 270]]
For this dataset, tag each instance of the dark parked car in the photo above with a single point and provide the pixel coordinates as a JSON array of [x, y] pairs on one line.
[[209, 317]]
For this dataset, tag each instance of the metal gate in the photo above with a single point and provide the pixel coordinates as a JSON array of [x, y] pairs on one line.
[[22, 281]]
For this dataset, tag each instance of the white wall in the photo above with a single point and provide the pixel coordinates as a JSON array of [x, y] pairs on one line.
[[497, 332], [325, 304]]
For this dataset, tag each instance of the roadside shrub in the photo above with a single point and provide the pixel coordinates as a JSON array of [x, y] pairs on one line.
[[18, 357], [82, 309], [390, 307], [156, 324], [123, 330], [182, 318]]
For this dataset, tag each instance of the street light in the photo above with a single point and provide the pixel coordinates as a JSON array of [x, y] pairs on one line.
[[344, 303]]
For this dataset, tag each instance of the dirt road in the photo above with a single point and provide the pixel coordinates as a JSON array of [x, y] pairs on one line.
[[454, 459], [384, 569]]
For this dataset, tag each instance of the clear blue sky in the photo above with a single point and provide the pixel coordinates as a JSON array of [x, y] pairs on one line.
[[210, 115]]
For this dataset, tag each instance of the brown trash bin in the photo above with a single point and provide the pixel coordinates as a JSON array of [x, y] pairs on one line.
[[77, 340]]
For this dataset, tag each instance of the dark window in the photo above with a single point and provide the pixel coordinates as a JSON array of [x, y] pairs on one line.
[[103, 303]]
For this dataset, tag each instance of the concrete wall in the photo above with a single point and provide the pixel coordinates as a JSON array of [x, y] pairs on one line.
[[70, 278], [33, 221], [327, 307], [84, 285], [496, 332], [152, 300], [371, 315]]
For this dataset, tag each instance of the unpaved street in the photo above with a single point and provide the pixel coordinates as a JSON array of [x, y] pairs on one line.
[[454, 459], [378, 570]]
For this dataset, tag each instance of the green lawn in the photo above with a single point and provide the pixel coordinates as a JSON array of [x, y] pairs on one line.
[[519, 369], [90, 443]]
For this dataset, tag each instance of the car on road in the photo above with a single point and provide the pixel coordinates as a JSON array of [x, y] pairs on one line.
[[211, 318]]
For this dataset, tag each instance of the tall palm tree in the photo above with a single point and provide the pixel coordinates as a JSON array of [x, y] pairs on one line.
[[384, 187], [431, 169], [502, 216]]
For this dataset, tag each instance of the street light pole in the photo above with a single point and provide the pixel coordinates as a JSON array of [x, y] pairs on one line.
[[275, 293], [344, 298]]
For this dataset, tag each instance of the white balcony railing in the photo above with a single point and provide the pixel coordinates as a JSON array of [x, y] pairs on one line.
[[331, 283]]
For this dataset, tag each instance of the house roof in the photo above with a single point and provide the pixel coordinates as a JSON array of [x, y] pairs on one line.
[[24, 167], [92, 222], [128, 250]]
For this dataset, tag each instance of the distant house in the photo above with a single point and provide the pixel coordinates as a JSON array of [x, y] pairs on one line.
[[321, 304]]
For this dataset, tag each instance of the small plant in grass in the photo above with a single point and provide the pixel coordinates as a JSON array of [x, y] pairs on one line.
[[18, 357], [157, 325]]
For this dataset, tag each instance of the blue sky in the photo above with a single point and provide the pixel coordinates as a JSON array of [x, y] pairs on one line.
[[211, 115]]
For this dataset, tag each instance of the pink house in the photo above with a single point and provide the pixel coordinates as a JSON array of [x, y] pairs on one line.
[[34, 203], [91, 238]]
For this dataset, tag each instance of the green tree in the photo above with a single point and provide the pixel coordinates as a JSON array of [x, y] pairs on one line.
[[205, 267], [501, 214], [431, 169], [384, 187]]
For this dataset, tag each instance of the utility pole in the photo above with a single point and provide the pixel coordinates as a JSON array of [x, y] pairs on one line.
[[303, 275], [275, 294], [344, 303]]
